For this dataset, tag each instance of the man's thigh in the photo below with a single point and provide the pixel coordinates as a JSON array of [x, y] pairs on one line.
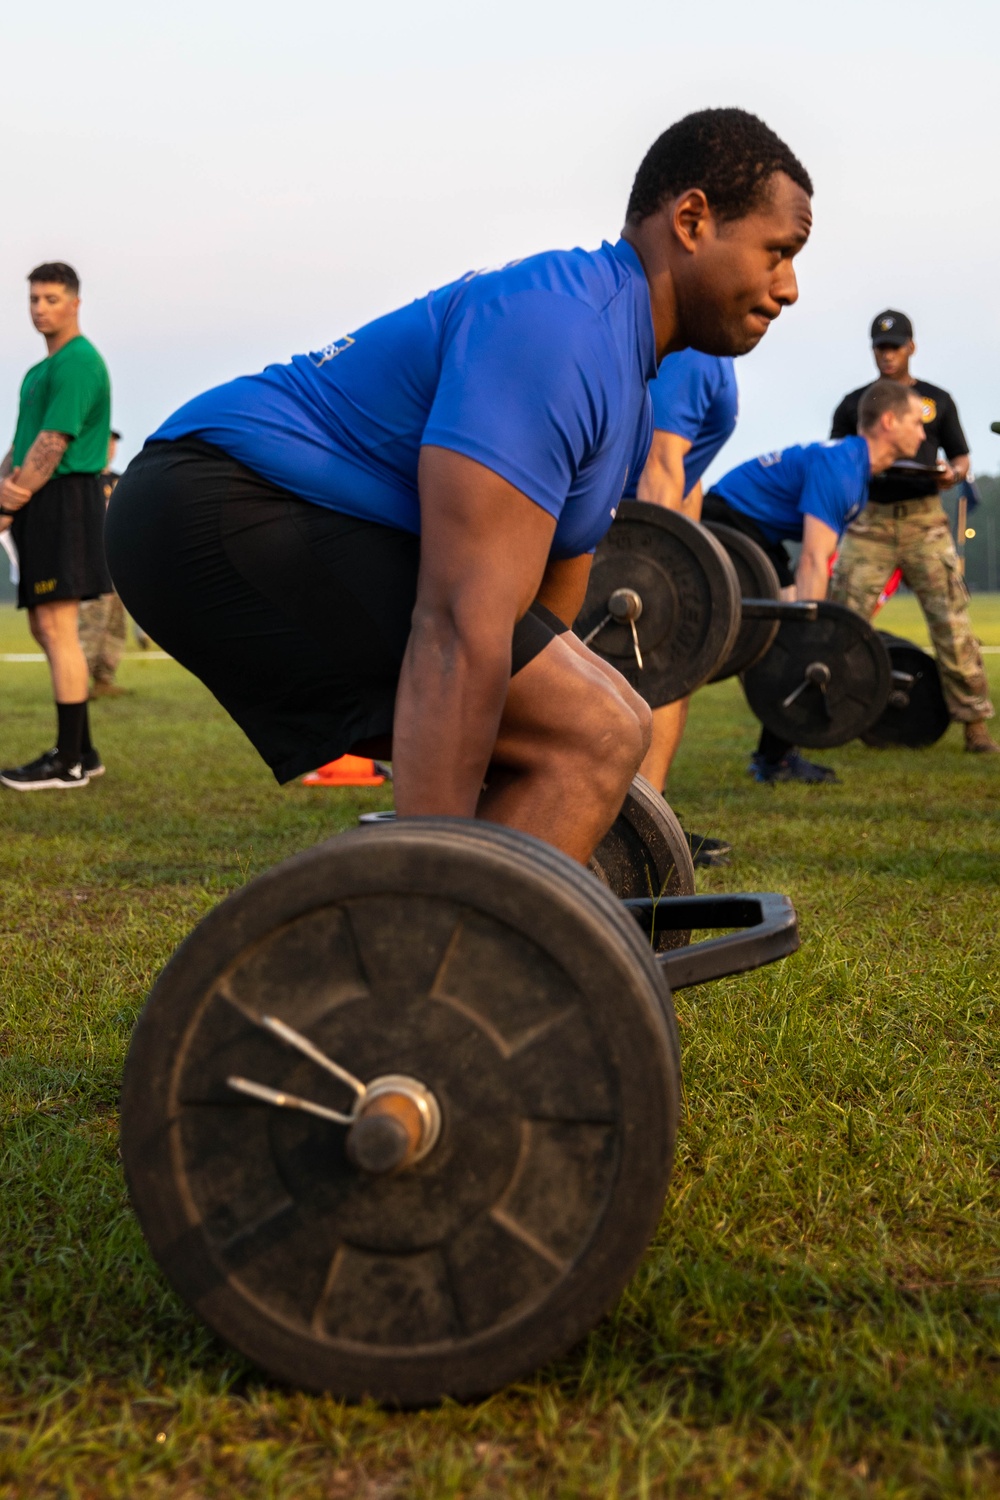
[[865, 562], [59, 619], [932, 570]]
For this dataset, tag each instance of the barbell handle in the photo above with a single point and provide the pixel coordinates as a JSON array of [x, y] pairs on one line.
[[769, 931], [780, 609]]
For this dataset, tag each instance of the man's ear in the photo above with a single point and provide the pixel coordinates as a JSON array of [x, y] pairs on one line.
[[690, 218]]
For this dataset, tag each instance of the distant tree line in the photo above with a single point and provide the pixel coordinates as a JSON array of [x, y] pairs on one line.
[[982, 550]]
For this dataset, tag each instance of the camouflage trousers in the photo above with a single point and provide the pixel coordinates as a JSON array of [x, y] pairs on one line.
[[914, 536], [103, 633]]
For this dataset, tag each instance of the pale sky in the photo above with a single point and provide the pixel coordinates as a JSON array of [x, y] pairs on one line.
[[238, 182]]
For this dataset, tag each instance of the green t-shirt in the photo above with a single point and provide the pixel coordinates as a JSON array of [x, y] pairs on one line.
[[68, 392]]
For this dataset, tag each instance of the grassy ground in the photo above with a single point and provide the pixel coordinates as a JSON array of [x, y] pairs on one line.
[[820, 1313]]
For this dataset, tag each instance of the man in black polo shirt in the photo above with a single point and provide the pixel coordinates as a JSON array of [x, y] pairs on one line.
[[904, 526]]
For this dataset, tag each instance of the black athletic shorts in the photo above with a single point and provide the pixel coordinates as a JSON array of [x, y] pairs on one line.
[[294, 616], [714, 508], [59, 536]]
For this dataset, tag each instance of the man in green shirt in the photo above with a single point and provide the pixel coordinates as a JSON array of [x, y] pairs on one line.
[[52, 499]]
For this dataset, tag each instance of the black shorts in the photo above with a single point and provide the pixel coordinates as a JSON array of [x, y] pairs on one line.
[[59, 536], [714, 508], [294, 616]]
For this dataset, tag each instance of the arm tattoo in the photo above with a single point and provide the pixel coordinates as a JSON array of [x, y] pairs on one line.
[[42, 459]]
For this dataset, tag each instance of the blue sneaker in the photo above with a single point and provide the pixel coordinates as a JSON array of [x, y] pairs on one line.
[[791, 767]]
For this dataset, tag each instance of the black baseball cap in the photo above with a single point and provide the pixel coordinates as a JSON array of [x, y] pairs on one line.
[[891, 327]]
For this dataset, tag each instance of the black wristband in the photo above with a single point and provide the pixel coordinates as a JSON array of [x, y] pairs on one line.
[[5, 512]]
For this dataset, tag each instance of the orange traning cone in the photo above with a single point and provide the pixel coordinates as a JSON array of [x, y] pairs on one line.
[[349, 770]]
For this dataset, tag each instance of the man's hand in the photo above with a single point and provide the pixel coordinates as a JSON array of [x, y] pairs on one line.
[[13, 495], [953, 471]]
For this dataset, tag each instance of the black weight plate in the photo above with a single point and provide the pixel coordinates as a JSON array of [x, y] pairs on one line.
[[690, 601], [859, 679], [758, 579], [924, 717], [645, 853], [512, 984]]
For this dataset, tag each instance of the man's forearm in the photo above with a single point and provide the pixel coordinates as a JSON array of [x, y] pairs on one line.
[[42, 460], [812, 576], [6, 463], [449, 702]]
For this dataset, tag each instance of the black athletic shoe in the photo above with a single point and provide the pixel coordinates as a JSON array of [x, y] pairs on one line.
[[708, 854], [791, 767], [90, 760], [92, 763], [45, 772]]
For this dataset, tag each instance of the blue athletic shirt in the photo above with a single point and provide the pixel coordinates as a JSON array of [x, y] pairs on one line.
[[695, 395], [537, 370], [826, 480]]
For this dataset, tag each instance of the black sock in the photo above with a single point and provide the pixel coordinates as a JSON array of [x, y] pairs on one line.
[[772, 747], [72, 717], [86, 744]]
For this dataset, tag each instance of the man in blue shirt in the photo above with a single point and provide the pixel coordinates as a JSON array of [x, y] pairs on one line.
[[809, 494], [695, 407], [390, 536]]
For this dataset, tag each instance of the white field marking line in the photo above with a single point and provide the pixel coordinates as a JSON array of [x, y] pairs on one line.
[[129, 656]]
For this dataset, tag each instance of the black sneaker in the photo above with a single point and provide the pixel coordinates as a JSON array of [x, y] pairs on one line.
[[90, 760], [792, 767], [92, 763], [708, 854], [47, 771]]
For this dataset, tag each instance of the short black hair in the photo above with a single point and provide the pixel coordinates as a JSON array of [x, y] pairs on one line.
[[59, 272], [880, 397], [728, 153]]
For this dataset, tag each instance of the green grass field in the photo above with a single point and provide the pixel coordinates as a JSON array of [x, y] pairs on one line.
[[820, 1312]]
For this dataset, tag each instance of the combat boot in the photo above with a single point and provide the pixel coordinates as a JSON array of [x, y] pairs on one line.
[[977, 739]]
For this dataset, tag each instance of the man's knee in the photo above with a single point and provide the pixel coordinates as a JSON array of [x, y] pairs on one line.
[[618, 739]]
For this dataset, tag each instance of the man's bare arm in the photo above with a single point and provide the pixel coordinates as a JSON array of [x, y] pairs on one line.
[[42, 460], [564, 587], [40, 463], [662, 480], [6, 463], [483, 551], [819, 543]]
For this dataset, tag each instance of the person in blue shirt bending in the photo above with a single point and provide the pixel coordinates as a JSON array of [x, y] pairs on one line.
[[809, 493], [695, 407], [379, 547]]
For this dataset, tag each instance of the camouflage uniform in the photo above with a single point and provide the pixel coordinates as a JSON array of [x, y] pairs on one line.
[[103, 633], [103, 624], [913, 535]]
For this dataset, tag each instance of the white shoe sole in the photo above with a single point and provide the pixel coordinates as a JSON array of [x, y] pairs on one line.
[[45, 786]]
